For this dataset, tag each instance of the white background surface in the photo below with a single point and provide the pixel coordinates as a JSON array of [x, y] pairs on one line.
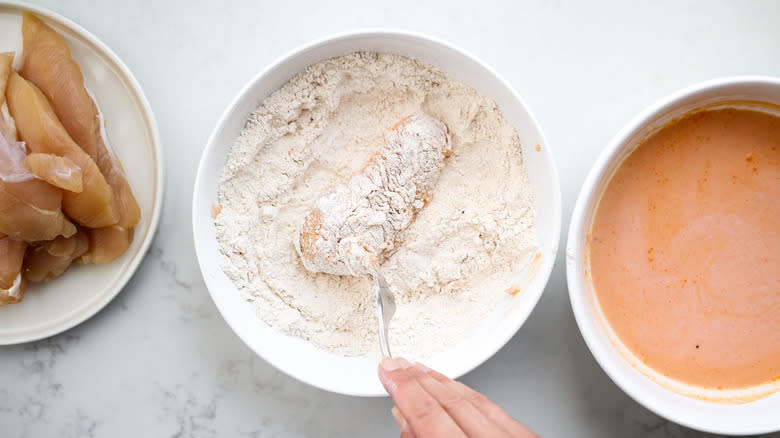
[[160, 361]]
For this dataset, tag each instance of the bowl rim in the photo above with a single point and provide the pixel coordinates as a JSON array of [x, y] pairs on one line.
[[544, 272], [575, 253], [159, 172]]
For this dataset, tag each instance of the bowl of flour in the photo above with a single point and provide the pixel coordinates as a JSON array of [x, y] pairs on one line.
[[466, 272]]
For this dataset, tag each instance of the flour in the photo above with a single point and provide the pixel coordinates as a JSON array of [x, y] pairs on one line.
[[317, 132], [357, 225]]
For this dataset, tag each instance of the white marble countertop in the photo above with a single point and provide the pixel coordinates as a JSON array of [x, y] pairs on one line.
[[160, 361]]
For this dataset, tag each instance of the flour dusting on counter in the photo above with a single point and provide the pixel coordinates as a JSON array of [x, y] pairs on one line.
[[321, 128]]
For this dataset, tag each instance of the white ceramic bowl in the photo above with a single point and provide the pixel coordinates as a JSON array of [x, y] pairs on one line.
[[660, 396], [301, 359], [53, 307]]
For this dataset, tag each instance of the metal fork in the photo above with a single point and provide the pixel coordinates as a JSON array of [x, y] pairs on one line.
[[385, 307]]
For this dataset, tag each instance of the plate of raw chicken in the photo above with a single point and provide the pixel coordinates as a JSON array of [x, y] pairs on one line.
[[80, 174]]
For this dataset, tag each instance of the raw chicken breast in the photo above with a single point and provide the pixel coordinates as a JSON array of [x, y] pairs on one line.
[[40, 129], [11, 256], [50, 259], [107, 244], [57, 171], [29, 208], [7, 127], [48, 65]]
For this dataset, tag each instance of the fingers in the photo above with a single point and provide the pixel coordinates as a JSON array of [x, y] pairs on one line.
[[490, 410], [424, 414], [406, 430], [460, 408], [433, 405]]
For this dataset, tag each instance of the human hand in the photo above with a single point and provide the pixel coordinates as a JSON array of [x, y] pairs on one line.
[[431, 405]]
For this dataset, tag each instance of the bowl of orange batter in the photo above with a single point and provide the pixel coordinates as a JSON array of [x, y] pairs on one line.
[[673, 258]]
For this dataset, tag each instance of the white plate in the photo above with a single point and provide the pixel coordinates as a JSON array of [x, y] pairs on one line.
[[66, 301], [357, 376]]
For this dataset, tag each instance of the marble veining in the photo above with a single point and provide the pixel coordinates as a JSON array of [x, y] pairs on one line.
[[159, 360]]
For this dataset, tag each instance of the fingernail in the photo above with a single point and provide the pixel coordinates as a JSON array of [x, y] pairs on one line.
[[403, 362], [399, 419], [389, 364], [421, 367]]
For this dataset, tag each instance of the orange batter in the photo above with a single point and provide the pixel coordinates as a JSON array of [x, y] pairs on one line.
[[685, 249]]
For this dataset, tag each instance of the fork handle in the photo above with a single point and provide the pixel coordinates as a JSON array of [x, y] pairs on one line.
[[384, 318]]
